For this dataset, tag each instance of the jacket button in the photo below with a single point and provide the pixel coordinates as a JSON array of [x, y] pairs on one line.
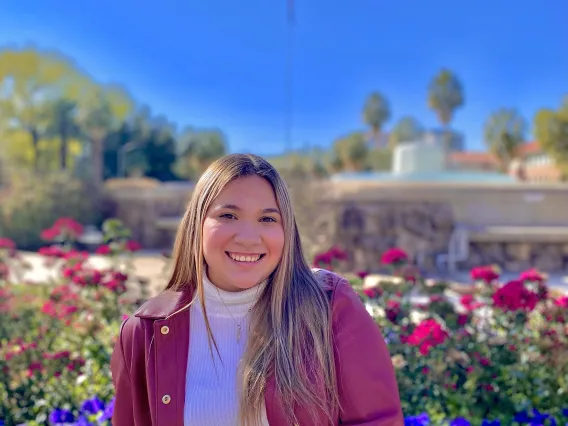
[[165, 329], [166, 399]]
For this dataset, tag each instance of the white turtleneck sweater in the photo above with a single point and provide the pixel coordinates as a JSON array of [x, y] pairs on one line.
[[211, 395]]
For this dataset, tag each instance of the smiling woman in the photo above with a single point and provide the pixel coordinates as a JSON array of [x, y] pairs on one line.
[[243, 236], [296, 346]]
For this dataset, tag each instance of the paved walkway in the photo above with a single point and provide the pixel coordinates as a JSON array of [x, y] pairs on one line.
[[150, 266]]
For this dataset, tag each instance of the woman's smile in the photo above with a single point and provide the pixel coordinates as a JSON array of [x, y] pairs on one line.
[[251, 258]]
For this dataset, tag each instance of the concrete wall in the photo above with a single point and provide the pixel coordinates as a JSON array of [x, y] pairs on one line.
[[145, 210], [507, 204]]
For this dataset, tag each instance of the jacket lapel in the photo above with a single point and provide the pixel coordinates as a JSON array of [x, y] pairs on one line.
[[167, 359]]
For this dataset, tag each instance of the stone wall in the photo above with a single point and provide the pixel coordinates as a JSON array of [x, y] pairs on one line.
[[368, 218], [366, 230], [142, 208], [519, 256]]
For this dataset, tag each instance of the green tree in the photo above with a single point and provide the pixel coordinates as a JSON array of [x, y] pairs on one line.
[[504, 131], [30, 81], [445, 96], [380, 159], [197, 149], [62, 123], [103, 109], [376, 112], [551, 131], [407, 129], [353, 151]]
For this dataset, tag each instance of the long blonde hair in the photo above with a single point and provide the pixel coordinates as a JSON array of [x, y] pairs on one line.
[[290, 332]]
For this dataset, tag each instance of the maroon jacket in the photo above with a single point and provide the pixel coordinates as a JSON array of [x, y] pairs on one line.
[[149, 365]]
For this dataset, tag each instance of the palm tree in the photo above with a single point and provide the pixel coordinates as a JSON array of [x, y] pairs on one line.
[[63, 124], [445, 96], [376, 112], [504, 131], [97, 122]]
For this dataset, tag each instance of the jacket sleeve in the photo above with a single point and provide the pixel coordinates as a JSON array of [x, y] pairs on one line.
[[368, 391], [123, 414]]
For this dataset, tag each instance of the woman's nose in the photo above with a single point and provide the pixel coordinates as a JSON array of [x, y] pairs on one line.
[[247, 234]]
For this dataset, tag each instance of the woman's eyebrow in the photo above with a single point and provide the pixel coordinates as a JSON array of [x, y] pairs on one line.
[[237, 208]]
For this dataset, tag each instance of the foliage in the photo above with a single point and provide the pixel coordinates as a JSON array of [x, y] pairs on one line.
[[54, 117], [33, 203], [551, 130], [504, 131], [376, 111], [197, 149], [407, 129], [494, 356], [352, 151], [445, 95], [56, 337]]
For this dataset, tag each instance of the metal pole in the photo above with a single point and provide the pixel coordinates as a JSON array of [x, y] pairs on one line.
[[289, 83]]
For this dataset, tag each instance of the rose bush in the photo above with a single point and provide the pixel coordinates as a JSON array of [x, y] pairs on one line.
[[495, 355], [56, 338]]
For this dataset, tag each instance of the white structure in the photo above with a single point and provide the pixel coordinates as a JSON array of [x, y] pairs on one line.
[[418, 158]]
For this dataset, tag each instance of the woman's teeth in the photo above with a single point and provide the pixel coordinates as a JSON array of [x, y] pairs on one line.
[[240, 258]]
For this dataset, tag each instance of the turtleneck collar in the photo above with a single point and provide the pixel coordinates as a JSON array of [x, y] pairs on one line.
[[244, 297]]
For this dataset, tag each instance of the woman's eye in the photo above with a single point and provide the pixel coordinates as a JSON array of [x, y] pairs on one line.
[[227, 216], [268, 219]]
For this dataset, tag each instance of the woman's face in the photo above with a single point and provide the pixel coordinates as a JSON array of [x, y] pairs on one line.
[[243, 236]]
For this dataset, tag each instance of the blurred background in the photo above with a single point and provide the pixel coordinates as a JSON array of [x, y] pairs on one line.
[[437, 128]]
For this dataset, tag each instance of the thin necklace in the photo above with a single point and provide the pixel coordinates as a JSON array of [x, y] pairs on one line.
[[238, 324]]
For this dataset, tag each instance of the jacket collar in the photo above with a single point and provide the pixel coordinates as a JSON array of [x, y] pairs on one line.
[[165, 304], [169, 302]]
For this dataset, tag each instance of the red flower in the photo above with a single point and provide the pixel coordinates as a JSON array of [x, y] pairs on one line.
[[514, 296], [486, 274], [373, 292], [52, 251], [63, 228], [393, 311], [428, 334], [326, 259], [394, 256], [6, 243], [469, 302], [362, 274], [561, 301], [532, 275], [337, 253], [132, 246], [103, 250]]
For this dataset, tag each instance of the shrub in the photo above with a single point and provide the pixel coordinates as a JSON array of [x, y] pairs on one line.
[[497, 356], [32, 204], [56, 338]]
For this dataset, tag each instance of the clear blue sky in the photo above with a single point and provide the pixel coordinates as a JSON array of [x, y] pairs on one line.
[[221, 62]]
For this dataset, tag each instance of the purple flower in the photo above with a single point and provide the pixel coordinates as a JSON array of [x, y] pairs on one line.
[[419, 420], [109, 409], [491, 423], [92, 406], [59, 416], [82, 422], [460, 421]]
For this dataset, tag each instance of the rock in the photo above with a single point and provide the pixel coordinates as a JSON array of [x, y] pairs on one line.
[[422, 229], [519, 251]]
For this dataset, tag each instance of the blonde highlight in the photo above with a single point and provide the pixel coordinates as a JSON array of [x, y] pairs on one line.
[[290, 325]]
